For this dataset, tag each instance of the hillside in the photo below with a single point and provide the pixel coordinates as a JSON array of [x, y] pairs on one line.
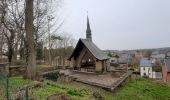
[[140, 89], [143, 89]]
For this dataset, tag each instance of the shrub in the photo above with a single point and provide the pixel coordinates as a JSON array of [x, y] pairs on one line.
[[52, 75], [80, 93], [98, 96], [145, 76]]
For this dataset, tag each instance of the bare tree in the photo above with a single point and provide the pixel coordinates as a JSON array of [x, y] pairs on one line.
[[12, 20], [64, 47], [12, 16]]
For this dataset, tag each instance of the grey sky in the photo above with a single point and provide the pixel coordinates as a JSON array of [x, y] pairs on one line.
[[120, 24]]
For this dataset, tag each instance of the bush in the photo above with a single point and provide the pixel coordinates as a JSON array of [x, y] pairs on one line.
[[80, 93], [145, 76], [98, 72], [52, 75], [58, 97], [97, 95]]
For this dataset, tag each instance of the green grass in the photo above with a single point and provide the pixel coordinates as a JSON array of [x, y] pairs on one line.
[[140, 89], [18, 82], [15, 83], [143, 89], [52, 88]]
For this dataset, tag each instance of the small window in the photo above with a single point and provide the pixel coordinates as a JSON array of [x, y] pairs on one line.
[[143, 68], [149, 69], [112, 60], [144, 74]]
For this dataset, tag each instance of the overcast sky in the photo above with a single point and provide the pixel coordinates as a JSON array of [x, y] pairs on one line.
[[120, 24]]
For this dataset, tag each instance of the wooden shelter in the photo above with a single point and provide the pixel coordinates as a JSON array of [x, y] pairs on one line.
[[87, 56]]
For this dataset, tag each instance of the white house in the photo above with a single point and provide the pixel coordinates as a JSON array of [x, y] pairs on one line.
[[146, 69]]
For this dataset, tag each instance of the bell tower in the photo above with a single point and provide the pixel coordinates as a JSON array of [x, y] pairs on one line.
[[88, 31]]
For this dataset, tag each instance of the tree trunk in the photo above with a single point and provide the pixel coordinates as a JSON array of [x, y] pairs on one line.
[[15, 51], [31, 64], [10, 53], [1, 44]]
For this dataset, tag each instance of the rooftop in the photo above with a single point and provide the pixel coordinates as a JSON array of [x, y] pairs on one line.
[[95, 51], [145, 62], [167, 62]]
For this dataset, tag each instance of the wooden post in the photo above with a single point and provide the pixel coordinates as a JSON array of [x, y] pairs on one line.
[[26, 93], [7, 82]]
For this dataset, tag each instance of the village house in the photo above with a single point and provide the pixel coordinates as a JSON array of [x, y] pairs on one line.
[[87, 57], [138, 54], [166, 70], [168, 54], [157, 55], [146, 67]]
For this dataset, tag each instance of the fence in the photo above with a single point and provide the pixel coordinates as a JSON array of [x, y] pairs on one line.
[[4, 80]]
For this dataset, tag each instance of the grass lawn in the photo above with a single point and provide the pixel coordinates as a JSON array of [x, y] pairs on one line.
[[15, 83], [76, 91], [141, 89]]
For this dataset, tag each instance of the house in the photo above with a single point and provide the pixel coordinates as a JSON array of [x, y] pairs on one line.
[[168, 54], [166, 70], [157, 55], [125, 58], [146, 68], [138, 54], [87, 56]]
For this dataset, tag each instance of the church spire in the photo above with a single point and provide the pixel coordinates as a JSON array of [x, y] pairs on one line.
[[88, 30]]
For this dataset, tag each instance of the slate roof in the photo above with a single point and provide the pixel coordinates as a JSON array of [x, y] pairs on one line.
[[167, 62], [95, 51], [145, 62]]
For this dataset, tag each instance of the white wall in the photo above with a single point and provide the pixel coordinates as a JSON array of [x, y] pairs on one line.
[[147, 71], [157, 75], [150, 73]]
